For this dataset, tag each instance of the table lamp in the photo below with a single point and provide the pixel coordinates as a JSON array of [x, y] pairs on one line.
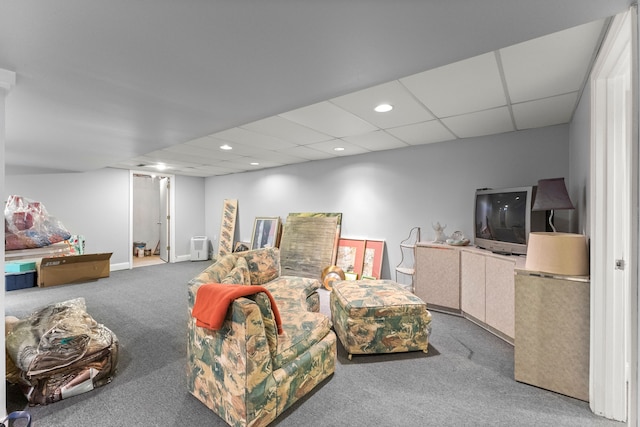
[[551, 194], [556, 253]]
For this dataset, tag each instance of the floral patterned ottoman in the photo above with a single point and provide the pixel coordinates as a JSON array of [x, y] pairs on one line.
[[379, 316]]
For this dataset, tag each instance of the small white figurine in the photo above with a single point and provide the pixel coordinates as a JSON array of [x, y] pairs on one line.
[[440, 236]]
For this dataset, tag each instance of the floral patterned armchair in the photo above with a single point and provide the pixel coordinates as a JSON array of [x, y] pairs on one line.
[[245, 372]]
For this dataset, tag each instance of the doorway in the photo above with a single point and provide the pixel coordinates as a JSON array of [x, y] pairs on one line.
[[614, 216], [151, 222]]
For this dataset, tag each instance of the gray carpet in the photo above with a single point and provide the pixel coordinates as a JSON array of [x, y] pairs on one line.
[[466, 379]]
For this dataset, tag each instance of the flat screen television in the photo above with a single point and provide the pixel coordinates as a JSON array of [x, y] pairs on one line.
[[503, 219]]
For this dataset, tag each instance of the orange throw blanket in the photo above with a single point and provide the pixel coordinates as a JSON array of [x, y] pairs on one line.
[[213, 300]]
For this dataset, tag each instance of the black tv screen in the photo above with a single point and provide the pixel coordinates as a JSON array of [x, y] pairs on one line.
[[502, 216], [503, 219]]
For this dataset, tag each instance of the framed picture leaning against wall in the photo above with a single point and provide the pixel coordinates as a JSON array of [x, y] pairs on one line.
[[266, 232]]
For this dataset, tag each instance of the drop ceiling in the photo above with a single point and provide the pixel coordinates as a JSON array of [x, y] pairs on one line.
[[528, 85], [280, 85]]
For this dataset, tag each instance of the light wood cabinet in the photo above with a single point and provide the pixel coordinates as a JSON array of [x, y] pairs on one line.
[[472, 285], [552, 333], [438, 277], [473, 282], [500, 297], [487, 290]]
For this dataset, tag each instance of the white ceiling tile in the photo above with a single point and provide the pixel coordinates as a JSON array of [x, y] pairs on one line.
[[328, 118], [286, 130], [172, 157], [550, 65], [170, 163], [244, 163], [497, 120], [195, 172], [306, 153], [238, 149], [214, 144], [219, 169], [376, 141], [141, 160], [406, 109], [162, 156], [203, 153], [545, 112], [422, 133], [208, 142], [127, 164], [328, 147], [470, 85], [277, 157], [252, 139]]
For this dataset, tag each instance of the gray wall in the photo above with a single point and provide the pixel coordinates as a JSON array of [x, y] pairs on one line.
[[579, 153], [96, 205], [146, 210], [190, 219], [382, 195]]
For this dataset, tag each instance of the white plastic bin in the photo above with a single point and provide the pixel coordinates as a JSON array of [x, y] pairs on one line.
[[199, 248]]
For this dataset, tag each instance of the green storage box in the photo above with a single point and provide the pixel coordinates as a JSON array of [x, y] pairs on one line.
[[19, 266]]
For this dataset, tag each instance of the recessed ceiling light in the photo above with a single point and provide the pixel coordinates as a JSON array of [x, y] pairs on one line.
[[161, 166], [254, 163], [383, 108], [338, 149], [226, 147]]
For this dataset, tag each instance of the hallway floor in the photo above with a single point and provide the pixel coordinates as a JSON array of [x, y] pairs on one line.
[[147, 260]]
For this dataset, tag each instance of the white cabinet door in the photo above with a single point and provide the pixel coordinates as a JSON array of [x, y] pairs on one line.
[[500, 294], [438, 277], [472, 284]]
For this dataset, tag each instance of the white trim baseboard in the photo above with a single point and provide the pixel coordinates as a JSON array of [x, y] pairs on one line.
[[182, 258], [119, 266]]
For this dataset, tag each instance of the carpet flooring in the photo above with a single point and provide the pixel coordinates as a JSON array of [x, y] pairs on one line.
[[466, 379]]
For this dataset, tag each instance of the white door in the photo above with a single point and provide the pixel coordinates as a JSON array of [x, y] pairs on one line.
[[613, 215], [164, 219]]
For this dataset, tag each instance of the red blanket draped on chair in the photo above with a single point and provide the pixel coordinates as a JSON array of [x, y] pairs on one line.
[[213, 300]]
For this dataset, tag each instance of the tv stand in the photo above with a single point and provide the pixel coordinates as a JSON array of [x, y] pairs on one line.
[[475, 283]]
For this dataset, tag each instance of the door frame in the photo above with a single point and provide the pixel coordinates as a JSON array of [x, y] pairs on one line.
[[165, 227], [613, 381], [171, 212]]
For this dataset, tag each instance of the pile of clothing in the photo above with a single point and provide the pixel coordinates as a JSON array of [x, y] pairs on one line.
[[28, 225], [59, 351]]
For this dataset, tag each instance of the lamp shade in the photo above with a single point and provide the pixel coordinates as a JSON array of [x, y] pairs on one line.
[[558, 253], [552, 194]]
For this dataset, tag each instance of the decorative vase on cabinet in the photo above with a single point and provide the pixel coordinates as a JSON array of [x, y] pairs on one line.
[[406, 268]]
